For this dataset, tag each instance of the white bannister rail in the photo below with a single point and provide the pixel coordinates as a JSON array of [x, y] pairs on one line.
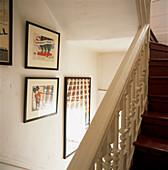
[[107, 146]]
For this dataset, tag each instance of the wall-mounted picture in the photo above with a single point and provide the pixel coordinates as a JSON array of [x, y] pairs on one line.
[[76, 112], [41, 97], [6, 32], [42, 47]]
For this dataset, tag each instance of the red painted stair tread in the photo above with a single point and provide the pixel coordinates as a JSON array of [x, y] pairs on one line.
[[157, 144], [156, 115]]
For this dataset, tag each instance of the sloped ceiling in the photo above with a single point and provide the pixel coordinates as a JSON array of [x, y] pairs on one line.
[[96, 23], [159, 20]]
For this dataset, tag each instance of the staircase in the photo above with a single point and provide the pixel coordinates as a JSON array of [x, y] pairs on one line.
[[108, 142], [151, 146]]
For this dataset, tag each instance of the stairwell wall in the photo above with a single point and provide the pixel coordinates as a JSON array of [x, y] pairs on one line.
[[108, 64], [37, 145]]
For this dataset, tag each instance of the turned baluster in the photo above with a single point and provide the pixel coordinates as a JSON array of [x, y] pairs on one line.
[[98, 160], [141, 83], [134, 105], [92, 167], [129, 115], [146, 66], [139, 89], [123, 132], [137, 98], [107, 165], [132, 114], [128, 122], [138, 78], [104, 151], [115, 149]]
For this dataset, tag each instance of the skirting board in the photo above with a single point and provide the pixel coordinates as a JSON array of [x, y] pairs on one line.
[[18, 164]]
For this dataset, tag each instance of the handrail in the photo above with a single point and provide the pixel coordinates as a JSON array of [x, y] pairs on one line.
[[105, 144], [94, 137]]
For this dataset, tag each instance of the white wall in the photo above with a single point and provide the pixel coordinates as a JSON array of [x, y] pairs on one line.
[[107, 68], [9, 167], [37, 145]]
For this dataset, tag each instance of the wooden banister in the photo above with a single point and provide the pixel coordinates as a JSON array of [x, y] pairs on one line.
[[106, 145], [125, 81]]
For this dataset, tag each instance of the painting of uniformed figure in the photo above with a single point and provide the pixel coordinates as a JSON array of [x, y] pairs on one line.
[[42, 97]]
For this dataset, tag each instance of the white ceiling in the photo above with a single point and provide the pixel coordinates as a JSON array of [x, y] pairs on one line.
[[159, 20], [101, 25], [101, 46]]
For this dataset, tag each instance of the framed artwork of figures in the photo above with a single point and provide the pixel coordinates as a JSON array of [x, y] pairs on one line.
[[6, 11], [41, 97], [42, 47], [76, 112]]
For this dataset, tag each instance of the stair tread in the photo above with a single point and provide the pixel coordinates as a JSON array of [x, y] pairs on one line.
[[158, 95], [154, 143], [158, 59], [158, 46], [158, 77], [158, 43], [156, 115]]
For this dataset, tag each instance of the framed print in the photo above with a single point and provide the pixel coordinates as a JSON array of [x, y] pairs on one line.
[[42, 47], [6, 10], [76, 112], [41, 97]]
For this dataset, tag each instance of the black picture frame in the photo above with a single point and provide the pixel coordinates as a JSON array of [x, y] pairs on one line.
[[6, 31], [42, 47], [41, 97], [77, 94]]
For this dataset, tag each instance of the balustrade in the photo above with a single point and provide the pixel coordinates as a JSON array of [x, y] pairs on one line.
[[116, 124], [116, 152]]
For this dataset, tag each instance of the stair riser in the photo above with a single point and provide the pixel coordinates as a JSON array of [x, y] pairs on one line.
[[158, 71], [154, 99], [149, 161], [158, 47], [154, 130], [158, 89], [158, 54], [155, 121], [158, 81], [158, 63], [158, 106]]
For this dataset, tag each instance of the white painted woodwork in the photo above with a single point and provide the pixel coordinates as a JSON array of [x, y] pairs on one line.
[[106, 145]]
